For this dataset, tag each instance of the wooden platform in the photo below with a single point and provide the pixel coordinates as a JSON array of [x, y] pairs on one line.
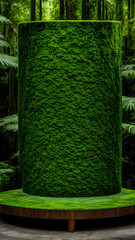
[[70, 215], [17, 203]]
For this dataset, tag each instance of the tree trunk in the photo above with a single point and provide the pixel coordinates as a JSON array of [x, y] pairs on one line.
[[103, 9], [33, 10], [99, 10], [129, 30], [132, 17], [0, 8], [12, 103], [133, 9], [40, 11], [117, 9], [129, 8], [106, 11], [85, 9], [69, 10], [121, 10], [61, 9]]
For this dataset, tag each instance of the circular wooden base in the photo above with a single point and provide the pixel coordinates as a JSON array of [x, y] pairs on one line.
[[24, 209], [70, 215]]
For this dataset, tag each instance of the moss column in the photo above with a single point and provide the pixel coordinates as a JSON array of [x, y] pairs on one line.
[[70, 108]]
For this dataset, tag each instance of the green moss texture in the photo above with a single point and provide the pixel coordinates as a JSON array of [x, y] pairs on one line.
[[70, 108], [18, 198]]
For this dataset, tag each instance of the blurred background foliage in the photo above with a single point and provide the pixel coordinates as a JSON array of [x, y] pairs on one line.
[[13, 12]]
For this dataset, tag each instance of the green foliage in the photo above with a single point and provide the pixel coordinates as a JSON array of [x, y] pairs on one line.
[[128, 128], [5, 59], [6, 174], [9, 123], [128, 71], [15, 155], [4, 165], [4, 171], [3, 43], [70, 110], [128, 103], [9, 176], [4, 19], [8, 61]]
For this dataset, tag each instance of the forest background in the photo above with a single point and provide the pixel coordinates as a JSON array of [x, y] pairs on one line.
[[12, 12]]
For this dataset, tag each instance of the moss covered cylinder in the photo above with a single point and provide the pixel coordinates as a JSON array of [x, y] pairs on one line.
[[70, 108]]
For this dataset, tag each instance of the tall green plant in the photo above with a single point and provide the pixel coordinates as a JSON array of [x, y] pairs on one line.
[[5, 59]]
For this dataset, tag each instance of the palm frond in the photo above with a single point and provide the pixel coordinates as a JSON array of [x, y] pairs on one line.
[[128, 70], [128, 67], [4, 19], [131, 20], [6, 171], [128, 103], [129, 128], [9, 123], [12, 127], [8, 61], [1, 36], [4, 43]]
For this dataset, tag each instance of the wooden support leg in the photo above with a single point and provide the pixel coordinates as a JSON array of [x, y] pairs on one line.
[[71, 225]]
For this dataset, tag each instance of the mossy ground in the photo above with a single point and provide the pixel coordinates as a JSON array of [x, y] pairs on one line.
[[18, 198]]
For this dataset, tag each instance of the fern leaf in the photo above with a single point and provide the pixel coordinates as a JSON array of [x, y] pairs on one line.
[[128, 70], [128, 103], [128, 67], [6, 171], [4, 43], [129, 128], [9, 123], [8, 61], [4, 19], [1, 36], [131, 20]]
